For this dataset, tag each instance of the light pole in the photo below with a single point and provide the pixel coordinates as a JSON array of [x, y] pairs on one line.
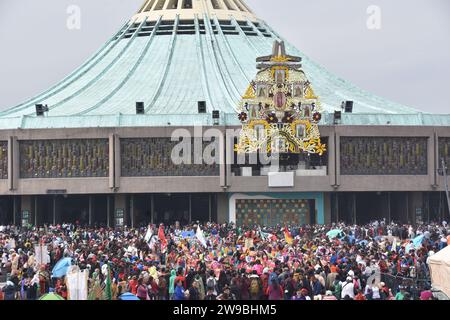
[[443, 170]]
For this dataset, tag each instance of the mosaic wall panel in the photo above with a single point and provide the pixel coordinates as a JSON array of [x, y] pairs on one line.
[[3, 160], [64, 158], [144, 157], [270, 212], [444, 152], [383, 156]]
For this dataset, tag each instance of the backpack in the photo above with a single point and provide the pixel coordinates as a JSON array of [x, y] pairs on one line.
[[254, 287]]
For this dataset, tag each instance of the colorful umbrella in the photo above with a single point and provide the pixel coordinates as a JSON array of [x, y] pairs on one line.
[[333, 233], [51, 297], [128, 297], [418, 241], [61, 268]]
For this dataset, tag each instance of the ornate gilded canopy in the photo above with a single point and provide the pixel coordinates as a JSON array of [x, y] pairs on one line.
[[279, 111]]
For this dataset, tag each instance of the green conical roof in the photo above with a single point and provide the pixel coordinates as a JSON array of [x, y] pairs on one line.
[[172, 58]]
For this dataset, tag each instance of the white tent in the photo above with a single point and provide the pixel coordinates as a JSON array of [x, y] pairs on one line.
[[439, 264]]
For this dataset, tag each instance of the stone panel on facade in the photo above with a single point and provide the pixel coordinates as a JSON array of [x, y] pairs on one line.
[[73, 158], [383, 156], [3, 160], [141, 157], [444, 151]]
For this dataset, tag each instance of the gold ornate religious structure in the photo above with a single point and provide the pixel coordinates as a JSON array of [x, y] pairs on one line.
[[279, 111]]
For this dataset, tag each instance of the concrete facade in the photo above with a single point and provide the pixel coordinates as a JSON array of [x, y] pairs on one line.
[[408, 190]]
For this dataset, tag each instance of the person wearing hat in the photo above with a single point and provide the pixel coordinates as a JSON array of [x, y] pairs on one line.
[[348, 289], [329, 296], [226, 295]]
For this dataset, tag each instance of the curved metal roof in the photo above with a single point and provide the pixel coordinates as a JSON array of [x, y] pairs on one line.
[[170, 65]]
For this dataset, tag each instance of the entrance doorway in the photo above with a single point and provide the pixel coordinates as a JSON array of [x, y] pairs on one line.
[[170, 208], [74, 209], [6, 210]]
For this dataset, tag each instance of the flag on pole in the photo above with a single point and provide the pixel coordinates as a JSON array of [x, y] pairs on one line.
[[288, 236], [394, 245], [162, 236], [264, 235], [201, 236], [108, 289], [149, 234], [77, 284]]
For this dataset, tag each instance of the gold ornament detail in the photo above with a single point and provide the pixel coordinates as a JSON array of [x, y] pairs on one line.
[[279, 111]]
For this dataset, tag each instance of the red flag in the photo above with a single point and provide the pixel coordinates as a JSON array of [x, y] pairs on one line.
[[162, 236], [288, 236]]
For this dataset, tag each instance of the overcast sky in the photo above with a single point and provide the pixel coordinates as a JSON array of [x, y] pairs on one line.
[[407, 60]]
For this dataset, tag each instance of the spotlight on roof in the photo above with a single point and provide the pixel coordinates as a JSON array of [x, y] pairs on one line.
[[41, 109], [140, 108], [337, 116], [347, 106], [216, 117], [202, 107]]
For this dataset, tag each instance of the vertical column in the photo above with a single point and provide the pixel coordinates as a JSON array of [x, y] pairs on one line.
[[36, 211], [337, 206], [210, 207], [337, 146], [389, 207], [10, 163], [117, 161], [432, 147], [54, 210], [13, 163], [407, 207], [436, 159], [223, 163], [108, 211], [14, 210], [90, 210], [332, 158], [229, 156], [132, 210], [111, 161], [190, 208], [327, 207], [152, 209]]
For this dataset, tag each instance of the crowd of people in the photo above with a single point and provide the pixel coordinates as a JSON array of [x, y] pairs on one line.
[[377, 261]]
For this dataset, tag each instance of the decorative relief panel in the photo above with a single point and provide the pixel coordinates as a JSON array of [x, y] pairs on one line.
[[444, 152], [64, 158], [383, 156], [272, 212], [143, 157], [3, 160]]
